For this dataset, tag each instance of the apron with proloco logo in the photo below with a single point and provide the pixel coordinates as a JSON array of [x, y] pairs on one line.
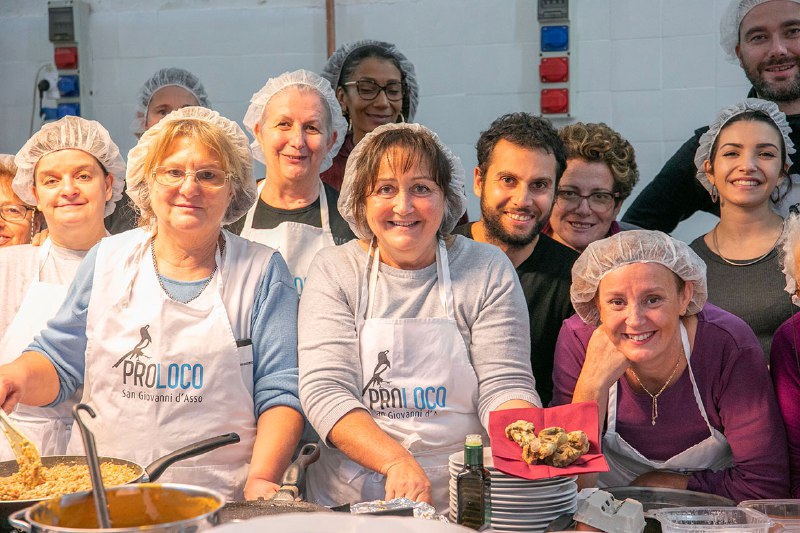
[[47, 427], [298, 243], [162, 374], [418, 385], [626, 463]]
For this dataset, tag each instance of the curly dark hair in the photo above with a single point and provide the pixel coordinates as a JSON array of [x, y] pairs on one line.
[[599, 143], [525, 130]]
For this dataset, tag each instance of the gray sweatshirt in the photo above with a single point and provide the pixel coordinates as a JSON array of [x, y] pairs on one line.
[[490, 311]]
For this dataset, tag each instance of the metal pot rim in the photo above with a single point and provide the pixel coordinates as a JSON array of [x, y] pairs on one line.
[[24, 514]]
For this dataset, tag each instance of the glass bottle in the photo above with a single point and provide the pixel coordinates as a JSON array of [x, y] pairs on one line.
[[473, 487]]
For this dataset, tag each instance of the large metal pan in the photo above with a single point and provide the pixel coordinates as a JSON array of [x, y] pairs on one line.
[[143, 474], [286, 500]]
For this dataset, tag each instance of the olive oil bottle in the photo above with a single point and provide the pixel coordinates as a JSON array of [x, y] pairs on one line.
[[473, 487]]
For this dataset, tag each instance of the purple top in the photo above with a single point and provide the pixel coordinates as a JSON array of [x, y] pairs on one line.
[[785, 370], [734, 386]]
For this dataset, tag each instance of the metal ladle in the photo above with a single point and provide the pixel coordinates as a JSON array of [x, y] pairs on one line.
[[98, 490]]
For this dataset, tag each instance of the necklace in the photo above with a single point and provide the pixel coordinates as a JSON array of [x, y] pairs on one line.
[[161, 283], [654, 412], [748, 263]]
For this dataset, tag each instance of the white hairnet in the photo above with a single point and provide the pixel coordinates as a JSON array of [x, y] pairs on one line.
[[333, 71], [789, 247], [69, 133], [455, 199], [708, 139], [165, 77], [7, 161], [244, 187], [255, 113], [636, 246], [731, 21]]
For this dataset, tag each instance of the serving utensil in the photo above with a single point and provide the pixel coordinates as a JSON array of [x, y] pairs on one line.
[[24, 450], [98, 490]]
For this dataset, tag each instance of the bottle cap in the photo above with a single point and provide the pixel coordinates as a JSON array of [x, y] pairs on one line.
[[473, 440]]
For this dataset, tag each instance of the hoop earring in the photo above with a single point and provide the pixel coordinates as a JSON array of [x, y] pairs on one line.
[[714, 193], [402, 118]]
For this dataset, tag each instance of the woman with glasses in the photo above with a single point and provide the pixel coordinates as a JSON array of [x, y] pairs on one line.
[[375, 84], [298, 128], [743, 162], [19, 222], [179, 329], [601, 173], [72, 172]]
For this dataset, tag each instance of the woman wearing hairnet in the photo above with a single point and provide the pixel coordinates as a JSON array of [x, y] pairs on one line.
[[784, 357], [179, 326], [167, 90], [681, 384], [298, 128], [375, 85], [73, 172], [409, 336], [743, 162], [19, 221]]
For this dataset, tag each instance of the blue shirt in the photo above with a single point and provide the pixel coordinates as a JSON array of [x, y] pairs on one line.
[[273, 331]]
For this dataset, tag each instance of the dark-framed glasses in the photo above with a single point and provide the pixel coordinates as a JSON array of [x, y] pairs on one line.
[[210, 178], [14, 212], [599, 201], [369, 90]]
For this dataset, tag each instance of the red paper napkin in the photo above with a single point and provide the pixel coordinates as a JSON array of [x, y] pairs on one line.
[[507, 454]]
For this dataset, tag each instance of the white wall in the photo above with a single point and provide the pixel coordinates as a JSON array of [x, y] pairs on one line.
[[652, 69]]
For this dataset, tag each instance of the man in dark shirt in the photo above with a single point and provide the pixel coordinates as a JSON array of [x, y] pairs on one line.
[[765, 38], [520, 160]]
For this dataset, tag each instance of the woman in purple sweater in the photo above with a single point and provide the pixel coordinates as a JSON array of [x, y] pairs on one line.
[[784, 359], [681, 384]]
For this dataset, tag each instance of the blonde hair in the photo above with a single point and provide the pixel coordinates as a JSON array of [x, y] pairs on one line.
[[216, 140]]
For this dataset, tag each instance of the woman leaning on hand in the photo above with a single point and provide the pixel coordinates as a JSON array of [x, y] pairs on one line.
[[179, 293], [681, 384], [405, 309]]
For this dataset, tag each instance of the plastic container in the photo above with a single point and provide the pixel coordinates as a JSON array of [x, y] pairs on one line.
[[785, 513], [716, 519]]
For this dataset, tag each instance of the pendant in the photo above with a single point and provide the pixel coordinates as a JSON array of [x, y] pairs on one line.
[[654, 413]]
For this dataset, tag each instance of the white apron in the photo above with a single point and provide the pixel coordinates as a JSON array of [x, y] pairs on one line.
[[626, 463], [47, 427], [297, 243], [420, 388], [161, 374]]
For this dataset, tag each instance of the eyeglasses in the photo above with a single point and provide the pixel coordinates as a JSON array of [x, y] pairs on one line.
[[600, 201], [209, 178], [14, 212], [369, 90]]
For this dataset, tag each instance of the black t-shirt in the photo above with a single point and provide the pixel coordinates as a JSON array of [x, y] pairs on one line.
[[268, 217], [545, 276], [675, 194]]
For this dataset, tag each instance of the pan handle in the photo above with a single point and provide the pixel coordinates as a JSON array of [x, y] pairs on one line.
[[154, 470], [294, 476], [17, 519]]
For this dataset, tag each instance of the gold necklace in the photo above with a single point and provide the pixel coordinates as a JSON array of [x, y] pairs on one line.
[[654, 412], [748, 263]]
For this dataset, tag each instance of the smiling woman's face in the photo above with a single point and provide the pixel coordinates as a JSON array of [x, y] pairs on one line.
[[13, 232], [366, 115], [71, 190], [187, 206]]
